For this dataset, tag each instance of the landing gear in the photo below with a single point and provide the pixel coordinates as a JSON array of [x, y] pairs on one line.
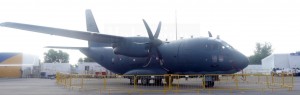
[[209, 81], [133, 81], [209, 84], [157, 81], [168, 80], [145, 81]]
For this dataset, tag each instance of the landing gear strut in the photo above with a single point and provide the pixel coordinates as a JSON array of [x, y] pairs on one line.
[[209, 81], [157, 81], [168, 80], [209, 84], [145, 81], [133, 81]]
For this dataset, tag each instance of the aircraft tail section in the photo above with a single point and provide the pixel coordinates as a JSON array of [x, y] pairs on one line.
[[90, 22], [91, 26]]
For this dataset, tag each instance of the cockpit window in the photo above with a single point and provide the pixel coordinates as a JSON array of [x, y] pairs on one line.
[[220, 45], [230, 47], [225, 45], [213, 46]]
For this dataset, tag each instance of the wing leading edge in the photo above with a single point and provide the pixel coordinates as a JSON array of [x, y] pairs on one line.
[[62, 47], [83, 35]]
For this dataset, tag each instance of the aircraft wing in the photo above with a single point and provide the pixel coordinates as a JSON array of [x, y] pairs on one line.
[[83, 35], [62, 47]]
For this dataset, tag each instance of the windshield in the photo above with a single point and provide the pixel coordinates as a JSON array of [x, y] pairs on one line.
[[226, 45]]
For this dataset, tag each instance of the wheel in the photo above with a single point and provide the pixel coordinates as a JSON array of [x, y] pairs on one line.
[[209, 84], [132, 81], [168, 80], [157, 81], [145, 81]]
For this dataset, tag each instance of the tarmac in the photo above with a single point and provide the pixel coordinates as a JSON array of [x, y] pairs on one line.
[[37, 86]]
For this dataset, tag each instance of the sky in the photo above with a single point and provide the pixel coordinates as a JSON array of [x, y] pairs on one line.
[[241, 23]]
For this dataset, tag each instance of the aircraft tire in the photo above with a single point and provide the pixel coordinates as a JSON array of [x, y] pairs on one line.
[[209, 84], [145, 81], [167, 80], [158, 81], [132, 81]]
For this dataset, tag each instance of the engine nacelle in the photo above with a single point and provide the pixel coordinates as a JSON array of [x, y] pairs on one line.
[[131, 49]]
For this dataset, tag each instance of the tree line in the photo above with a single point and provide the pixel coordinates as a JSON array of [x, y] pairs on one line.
[[53, 56], [261, 51]]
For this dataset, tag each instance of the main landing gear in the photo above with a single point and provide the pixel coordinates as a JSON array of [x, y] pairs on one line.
[[168, 80], [207, 81], [133, 81], [145, 80], [208, 84]]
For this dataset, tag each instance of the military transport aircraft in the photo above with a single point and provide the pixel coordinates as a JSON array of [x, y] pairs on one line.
[[149, 55]]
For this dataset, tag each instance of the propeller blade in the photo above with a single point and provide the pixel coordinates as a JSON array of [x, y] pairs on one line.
[[149, 57], [161, 60], [218, 37], [153, 43], [146, 65], [158, 54], [157, 30], [209, 34], [148, 30]]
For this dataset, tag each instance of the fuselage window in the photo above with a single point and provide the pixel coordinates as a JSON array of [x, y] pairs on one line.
[[214, 59], [221, 58], [113, 60]]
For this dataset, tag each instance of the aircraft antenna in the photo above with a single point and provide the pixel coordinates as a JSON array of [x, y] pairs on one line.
[[176, 22]]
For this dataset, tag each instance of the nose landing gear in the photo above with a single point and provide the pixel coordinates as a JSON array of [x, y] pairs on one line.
[[209, 81]]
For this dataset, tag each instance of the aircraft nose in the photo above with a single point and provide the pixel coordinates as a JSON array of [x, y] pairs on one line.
[[242, 61]]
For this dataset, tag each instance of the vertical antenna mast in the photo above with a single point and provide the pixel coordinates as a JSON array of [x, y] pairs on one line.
[[176, 22]]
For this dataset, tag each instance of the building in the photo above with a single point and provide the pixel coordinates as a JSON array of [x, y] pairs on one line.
[[50, 69], [254, 69], [16, 65], [281, 62], [92, 68]]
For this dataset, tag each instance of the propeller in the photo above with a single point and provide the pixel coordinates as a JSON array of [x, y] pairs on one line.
[[154, 43]]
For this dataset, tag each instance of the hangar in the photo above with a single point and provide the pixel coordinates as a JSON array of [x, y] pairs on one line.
[[288, 62], [16, 65]]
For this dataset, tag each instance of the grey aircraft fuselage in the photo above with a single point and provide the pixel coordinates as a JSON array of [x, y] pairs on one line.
[[187, 56]]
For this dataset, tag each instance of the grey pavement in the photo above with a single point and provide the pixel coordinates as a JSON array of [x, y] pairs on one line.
[[36, 86]]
